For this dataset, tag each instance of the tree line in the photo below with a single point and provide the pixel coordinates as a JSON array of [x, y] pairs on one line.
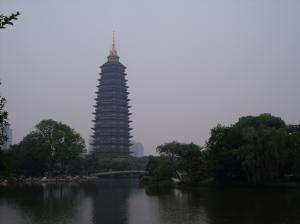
[[54, 149], [256, 150]]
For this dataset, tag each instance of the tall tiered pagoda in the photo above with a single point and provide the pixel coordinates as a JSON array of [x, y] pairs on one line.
[[111, 136]]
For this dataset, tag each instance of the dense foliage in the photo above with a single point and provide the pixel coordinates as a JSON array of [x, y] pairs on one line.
[[3, 120], [184, 162], [4, 158], [55, 149], [256, 150], [52, 147], [5, 163]]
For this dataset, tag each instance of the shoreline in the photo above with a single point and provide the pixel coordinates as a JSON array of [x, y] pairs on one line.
[[21, 180], [213, 184]]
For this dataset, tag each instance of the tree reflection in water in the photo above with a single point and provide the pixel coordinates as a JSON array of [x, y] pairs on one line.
[[233, 205], [51, 203], [121, 201]]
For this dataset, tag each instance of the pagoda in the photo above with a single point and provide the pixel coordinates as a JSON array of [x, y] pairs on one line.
[[111, 136]]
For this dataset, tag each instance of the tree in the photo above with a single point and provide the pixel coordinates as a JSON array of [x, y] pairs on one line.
[[264, 154], [31, 156], [52, 147], [5, 160], [293, 164], [7, 20], [187, 158], [266, 120], [255, 149], [221, 147], [3, 120], [90, 163], [160, 170], [179, 160], [5, 163], [116, 164]]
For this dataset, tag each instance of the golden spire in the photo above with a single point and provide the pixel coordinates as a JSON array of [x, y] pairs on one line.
[[113, 44], [113, 54], [113, 51]]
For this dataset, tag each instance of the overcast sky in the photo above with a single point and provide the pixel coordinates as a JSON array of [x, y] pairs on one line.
[[190, 64]]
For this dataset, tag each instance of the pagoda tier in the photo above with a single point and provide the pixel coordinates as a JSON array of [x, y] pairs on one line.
[[111, 136]]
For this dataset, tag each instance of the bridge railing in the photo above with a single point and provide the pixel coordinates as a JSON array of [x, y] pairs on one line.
[[119, 173]]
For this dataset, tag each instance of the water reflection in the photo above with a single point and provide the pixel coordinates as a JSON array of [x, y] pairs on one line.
[[218, 206], [275, 205], [172, 206], [121, 201], [110, 199], [41, 204]]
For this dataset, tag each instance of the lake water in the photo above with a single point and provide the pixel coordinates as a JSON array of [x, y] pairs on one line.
[[123, 201]]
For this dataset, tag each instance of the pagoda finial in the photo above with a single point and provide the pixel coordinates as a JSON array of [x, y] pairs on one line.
[[113, 54], [113, 51], [113, 43]]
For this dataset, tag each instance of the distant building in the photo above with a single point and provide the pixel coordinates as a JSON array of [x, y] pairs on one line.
[[111, 137], [8, 133], [90, 144], [137, 149]]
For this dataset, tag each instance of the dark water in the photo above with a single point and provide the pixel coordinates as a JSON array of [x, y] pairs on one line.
[[122, 201]]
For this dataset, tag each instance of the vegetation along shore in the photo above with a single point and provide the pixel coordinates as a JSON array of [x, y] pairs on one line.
[[255, 151]]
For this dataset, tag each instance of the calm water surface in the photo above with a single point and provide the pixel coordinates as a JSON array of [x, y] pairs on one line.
[[122, 201]]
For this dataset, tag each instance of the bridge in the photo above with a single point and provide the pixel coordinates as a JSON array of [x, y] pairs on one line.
[[119, 173]]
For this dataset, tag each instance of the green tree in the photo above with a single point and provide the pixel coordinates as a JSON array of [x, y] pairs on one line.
[[31, 156], [3, 120], [116, 164], [52, 147], [187, 158], [90, 163], [255, 149], [221, 149], [179, 160], [5, 163], [266, 120], [293, 164], [264, 154], [160, 170]]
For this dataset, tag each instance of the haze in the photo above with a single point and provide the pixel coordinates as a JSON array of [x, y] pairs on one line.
[[190, 64]]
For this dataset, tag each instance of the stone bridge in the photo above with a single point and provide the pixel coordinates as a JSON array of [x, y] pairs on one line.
[[119, 173]]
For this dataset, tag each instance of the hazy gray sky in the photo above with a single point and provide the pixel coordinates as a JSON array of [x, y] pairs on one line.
[[190, 64]]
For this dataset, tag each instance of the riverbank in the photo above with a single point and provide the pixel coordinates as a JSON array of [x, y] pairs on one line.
[[4, 182], [211, 183]]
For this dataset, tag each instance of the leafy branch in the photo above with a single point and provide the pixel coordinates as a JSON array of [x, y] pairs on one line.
[[7, 20]]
